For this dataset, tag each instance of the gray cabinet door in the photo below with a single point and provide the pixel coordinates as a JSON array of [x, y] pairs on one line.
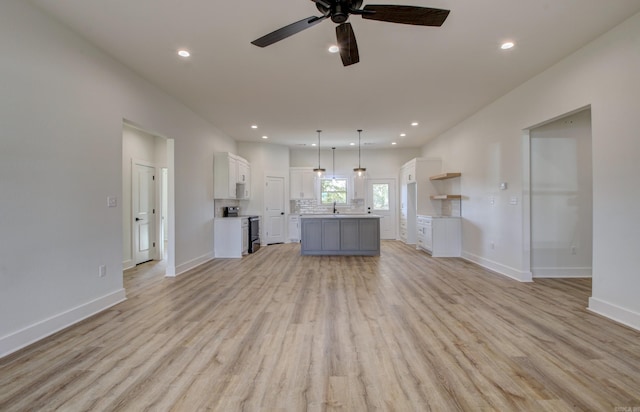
[[369, 234], [350, 235], [312, 234], [330, 234]]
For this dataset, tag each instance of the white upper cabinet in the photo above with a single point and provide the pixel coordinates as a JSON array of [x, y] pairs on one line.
[[359, 187], [417, 196], [302, 183], [408, 172], [231, 176], [243, 187]]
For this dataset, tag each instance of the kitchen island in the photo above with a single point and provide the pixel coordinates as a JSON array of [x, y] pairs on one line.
[[340, 234]]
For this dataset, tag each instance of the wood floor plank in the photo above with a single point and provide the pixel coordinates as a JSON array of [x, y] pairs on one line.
[[276, 331]]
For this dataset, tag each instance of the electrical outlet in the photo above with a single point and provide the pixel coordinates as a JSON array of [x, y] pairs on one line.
[[112, 201], [102, 271]]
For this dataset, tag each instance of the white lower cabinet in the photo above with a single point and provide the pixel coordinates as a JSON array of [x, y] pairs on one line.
[[230, 237], [294, 228], [440, 236]]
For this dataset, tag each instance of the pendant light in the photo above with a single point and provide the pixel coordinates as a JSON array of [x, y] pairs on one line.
[[319, 170], [334, 166], [360, 170]]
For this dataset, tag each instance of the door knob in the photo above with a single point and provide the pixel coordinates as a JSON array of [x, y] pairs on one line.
[[138, 219], [282, 213]]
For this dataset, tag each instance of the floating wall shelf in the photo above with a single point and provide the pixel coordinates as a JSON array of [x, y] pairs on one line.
[[446, 197], [444, 176]]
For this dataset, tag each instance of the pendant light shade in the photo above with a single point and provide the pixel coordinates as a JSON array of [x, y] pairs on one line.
[[360, 170], [319, 170]]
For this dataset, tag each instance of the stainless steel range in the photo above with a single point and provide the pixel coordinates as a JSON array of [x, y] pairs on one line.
[[254, 233]]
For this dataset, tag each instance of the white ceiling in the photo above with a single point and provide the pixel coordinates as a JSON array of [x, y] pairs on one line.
[[435, 76]]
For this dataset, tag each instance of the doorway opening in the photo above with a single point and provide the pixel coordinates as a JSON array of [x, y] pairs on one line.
[[560, 217], [147, 198]]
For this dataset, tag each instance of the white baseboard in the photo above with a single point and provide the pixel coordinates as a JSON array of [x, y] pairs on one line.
[[614, 312], [40, 330], [561, 272], [128, 264], [193, 263], [510, 272]]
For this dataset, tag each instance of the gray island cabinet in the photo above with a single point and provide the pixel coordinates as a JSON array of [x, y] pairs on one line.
[[348, 235]]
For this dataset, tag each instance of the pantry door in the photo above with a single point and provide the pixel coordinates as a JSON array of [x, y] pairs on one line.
[[274, 211]]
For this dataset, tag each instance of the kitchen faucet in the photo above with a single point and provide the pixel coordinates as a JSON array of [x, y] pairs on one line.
[[334, 208]]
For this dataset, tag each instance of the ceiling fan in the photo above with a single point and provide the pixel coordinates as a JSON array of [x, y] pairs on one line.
[[339, 11]]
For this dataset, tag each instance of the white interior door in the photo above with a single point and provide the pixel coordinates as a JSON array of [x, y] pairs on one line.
[[144, 209], [274, 212], [381, 200]]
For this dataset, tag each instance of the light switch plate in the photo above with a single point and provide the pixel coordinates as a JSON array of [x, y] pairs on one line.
[[112, 201], [503, 186]]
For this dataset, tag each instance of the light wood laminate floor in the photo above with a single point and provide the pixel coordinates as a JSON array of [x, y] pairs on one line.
[[276, 331]]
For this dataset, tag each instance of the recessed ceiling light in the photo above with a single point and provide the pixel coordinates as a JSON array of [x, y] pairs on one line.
[[414, 124], [265, 137], [507, 45], [403, 134], [313, 144], [334, 49], [393, 143], [254, 126], [183, 53], [352, 144]]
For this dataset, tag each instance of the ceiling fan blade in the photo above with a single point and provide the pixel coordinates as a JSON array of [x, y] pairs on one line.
[[419, 16], [324, 3], [286, 31], [347, 44]]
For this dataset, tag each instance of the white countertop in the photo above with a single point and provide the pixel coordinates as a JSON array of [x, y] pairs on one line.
[[227, 217], [439, 217], [340, 216]]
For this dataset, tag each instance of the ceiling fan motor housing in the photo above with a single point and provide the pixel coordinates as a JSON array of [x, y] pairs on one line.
[[340, 9]]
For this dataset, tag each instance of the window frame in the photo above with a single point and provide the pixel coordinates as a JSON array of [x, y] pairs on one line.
[[346, 192]]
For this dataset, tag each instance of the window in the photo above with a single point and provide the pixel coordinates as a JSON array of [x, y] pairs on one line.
[[380, 196], [333, 191]]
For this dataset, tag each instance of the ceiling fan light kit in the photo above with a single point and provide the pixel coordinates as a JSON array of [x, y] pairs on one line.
[[340, 10]]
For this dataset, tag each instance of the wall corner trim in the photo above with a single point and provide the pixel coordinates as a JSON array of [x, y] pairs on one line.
[[192, 264], [520, 276], [616, 313]]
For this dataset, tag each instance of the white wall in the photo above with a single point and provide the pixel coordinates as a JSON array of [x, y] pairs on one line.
[[562, 198], [487, 149], [380, 163], [264, 158], [62, 105]]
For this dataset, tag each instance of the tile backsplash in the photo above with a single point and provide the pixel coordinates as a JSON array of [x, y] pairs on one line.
[[451, 207], [219, 204], [310, 206]]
